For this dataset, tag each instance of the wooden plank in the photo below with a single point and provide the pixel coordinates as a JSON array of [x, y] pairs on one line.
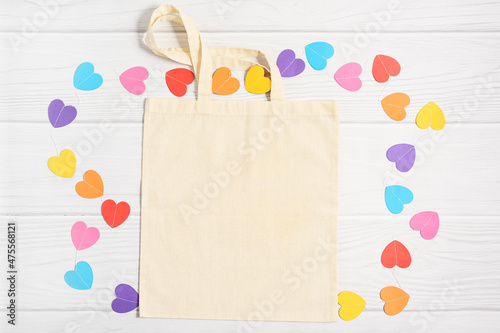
[[448, 54], [446, 177], [447, 273], [459, 72], [92, 321], [236, 15]]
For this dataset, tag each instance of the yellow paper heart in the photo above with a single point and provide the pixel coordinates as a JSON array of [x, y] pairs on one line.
[[351, 305], [63, 165], [256, 82], [430, 115]]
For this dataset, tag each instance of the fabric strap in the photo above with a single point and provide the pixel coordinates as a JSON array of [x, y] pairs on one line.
[[204, 59]]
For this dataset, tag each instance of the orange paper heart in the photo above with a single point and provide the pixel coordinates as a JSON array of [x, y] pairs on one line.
[[395, 300], [394, 105], [91, 187], [223, 83]]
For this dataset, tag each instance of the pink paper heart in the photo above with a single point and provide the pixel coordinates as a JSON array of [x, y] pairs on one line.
[[347, 76], [427, 223], [133, 79], [83, 237]]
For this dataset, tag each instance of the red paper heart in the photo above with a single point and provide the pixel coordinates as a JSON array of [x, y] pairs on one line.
[[384, 67], [394, 254], [115, 214], [177, 80]]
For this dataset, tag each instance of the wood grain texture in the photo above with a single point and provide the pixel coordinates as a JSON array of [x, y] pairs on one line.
[[446, 177], [237, 15], [460, 72], [444, 271], [435, 321], [449, 54]]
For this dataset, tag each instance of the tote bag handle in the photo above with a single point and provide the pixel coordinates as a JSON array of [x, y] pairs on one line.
[[221, 56], [200, 57]]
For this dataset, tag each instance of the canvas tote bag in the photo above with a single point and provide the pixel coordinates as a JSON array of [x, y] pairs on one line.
[[239, 198]]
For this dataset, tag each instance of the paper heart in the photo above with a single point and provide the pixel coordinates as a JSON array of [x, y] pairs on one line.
[[91, 187], [384, 67], [223, 83], [115, 214], [61, 115], [427, 223], [133, 80], [83, 237], [256, 82], [430, 115], [317, 54], [288, 65], [394, 105], [178, 79], [347, 76], [396, 196], [63, 165], [127, 299], [351, 305], [395, 254], [85, 78], [395, 300], [404, 156], [81, 277]]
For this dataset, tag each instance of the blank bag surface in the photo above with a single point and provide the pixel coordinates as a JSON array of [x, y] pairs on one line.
[[239, 198]]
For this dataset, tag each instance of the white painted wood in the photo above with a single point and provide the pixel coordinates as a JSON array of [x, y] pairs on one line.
[[460, 72], [237, 15], [451, 266], [449, 54], [423, 321], [446, 177]]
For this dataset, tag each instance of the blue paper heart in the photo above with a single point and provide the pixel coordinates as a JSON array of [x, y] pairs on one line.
[[317, 53], [81, 278], [85, 78], [396, 197]]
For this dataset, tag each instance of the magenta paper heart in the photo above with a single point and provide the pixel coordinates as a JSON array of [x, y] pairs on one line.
[[127, 299], [347, 76], [83, 237], [427, 223], [133, 80], [288, 65], [61, 115], [404, 156]]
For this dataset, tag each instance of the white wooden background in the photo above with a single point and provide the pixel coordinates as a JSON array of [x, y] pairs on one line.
[[449, 51]]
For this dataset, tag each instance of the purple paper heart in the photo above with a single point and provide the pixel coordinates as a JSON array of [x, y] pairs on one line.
[[288, 65], [127, 299], [404, 156], [61, 115]]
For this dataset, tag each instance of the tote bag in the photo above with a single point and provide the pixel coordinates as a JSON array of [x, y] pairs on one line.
[[239, 198]]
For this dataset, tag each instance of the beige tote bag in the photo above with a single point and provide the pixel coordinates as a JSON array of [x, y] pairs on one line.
[[239, 198]]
